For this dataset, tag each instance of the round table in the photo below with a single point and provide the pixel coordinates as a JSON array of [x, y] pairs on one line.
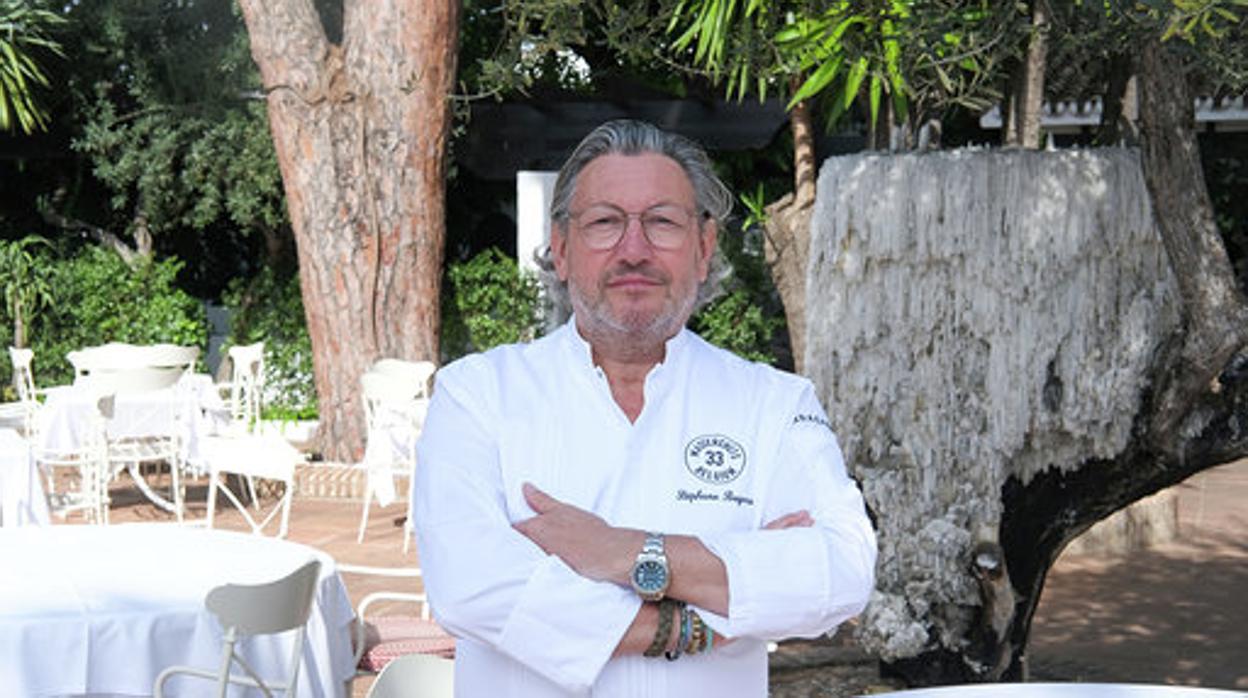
[[103, 609]]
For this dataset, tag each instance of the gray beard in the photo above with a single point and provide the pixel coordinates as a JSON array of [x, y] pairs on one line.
[[631, 334]]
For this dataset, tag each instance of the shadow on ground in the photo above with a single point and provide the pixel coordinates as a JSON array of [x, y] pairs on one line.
[[1177, 614]]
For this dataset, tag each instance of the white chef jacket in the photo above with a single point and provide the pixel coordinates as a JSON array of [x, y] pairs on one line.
[[721, 447]]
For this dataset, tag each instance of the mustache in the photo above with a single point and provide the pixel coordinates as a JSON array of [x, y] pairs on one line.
[[644, 269]]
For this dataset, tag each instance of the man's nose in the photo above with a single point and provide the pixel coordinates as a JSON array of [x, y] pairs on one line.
[[633, 243]]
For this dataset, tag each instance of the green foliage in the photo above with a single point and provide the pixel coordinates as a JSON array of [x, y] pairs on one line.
[[24, 283], [168, 115], [920, 55], [748, 318], [737, 324], [25, 32], [498, 302], [269, 308], [1190, 18], [96, 299]]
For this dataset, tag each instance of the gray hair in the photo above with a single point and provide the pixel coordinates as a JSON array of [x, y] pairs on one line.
[[628, 137]]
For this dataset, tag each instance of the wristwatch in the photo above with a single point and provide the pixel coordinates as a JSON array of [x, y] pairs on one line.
[[651, 575]]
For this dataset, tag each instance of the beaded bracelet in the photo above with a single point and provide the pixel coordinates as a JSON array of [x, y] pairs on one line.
[[697, 637]]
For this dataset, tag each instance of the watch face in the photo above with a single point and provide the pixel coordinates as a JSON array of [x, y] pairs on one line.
[[649, 575]]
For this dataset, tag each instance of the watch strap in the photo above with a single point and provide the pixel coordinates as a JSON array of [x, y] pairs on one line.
[[654, 544]]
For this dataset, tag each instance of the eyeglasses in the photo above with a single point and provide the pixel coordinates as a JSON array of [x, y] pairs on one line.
[[665, 226]]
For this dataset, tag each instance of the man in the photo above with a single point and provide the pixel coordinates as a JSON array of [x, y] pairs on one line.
[[619, 508]]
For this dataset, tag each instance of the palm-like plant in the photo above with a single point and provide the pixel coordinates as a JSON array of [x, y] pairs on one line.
[[23, 282], [25, 32]]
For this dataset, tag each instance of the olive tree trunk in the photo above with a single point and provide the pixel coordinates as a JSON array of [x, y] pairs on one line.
[[786, 239], [1025, 103], [1012, 346], [360, 130]]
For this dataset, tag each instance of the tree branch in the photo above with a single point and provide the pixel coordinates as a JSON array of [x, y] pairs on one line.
[[1216, 318], [102, 236]]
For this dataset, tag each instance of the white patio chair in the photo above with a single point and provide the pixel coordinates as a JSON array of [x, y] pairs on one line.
[[380, 639], [130, 452], [252, 457], [415, 676], [243, 391], [21, 414], [105, 449], [417, 373], [395, 404], [91, 465], [122, 355], [245, 386], [261, 609]]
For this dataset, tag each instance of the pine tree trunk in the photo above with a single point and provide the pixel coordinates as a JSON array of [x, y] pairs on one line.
[[360, 131]]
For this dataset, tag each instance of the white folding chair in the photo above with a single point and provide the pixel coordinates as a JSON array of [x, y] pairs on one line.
[[415, 676], [380, 639], [252, 456], [394, 407], [261, 609]]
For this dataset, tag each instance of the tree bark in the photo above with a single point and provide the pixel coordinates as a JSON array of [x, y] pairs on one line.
[[1217, 319], [360, 131], [787, 232]]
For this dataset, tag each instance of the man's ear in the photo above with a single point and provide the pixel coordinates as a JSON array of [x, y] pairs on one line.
[[707, 240], [559, 250]]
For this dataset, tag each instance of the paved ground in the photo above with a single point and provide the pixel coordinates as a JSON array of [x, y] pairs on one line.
[[1177, 613]]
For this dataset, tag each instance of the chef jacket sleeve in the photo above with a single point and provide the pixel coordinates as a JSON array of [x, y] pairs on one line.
[[800, 582], [485, 580]]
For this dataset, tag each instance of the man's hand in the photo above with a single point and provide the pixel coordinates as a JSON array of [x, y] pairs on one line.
[[582, 540], [798, 519]]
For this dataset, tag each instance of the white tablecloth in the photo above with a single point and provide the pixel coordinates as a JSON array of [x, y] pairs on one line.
[[103, 609], [198, 410], [22, 499]]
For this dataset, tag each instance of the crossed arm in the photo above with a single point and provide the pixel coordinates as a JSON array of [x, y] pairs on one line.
[[605, 553]]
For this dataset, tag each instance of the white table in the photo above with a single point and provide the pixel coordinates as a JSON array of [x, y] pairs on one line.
[[66, 417], [103, 609], [1061, 690], [22, 499]]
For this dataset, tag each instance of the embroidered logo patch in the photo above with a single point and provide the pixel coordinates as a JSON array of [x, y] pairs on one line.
[[715, 459]]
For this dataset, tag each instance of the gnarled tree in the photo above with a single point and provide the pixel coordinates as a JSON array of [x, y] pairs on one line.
[[1016, 345]]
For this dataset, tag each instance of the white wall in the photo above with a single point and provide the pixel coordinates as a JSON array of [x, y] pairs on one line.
[[533, 194]]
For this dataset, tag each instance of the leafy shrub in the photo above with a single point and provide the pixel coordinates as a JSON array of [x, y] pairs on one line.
[[497, 301], [96, 298], [269, 308], [734, 322], [746, 318]]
